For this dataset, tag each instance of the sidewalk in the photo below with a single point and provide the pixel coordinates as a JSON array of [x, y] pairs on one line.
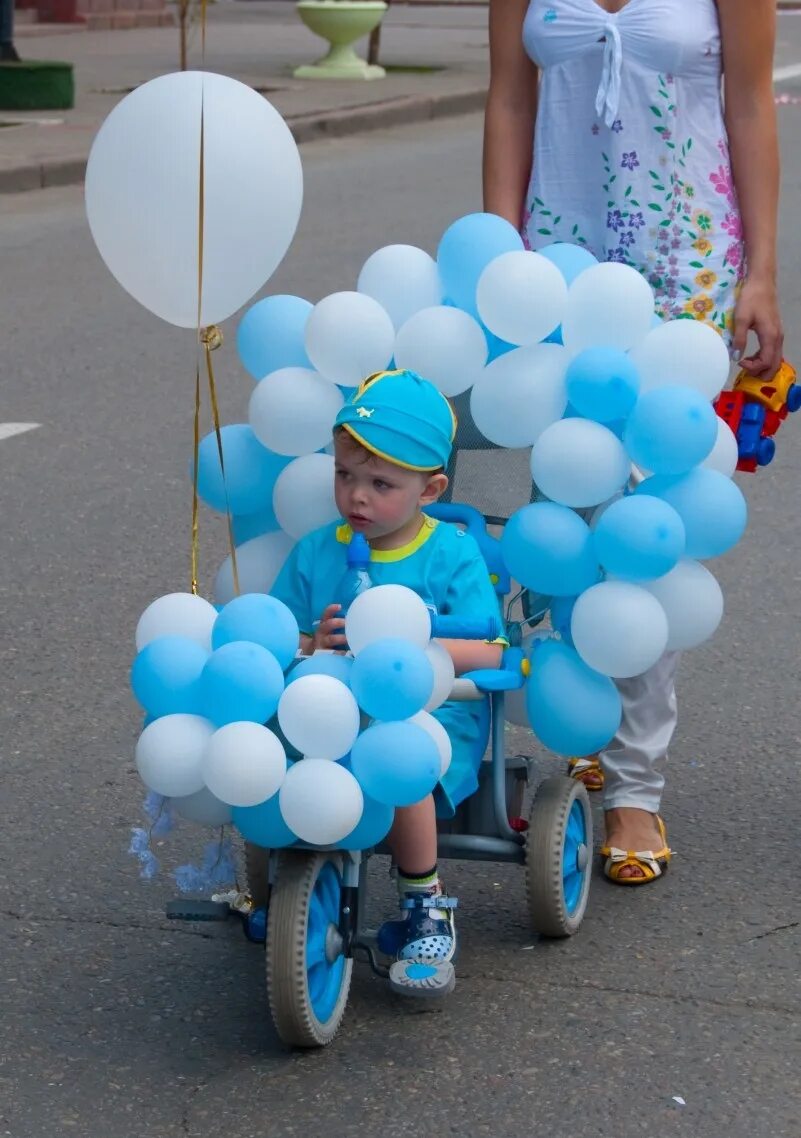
[[436, 55]]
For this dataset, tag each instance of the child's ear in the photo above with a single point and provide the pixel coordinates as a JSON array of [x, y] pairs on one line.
[[435, 487]]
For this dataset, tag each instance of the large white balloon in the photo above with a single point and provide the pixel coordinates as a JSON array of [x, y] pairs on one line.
[[685, 353], [244, 764], [403, 279], [579, 463], [177, 614], [520, 394], [619, 629], [440, 736], [348, 337], [142, 194], [202, 807], [319, 716], [169, 754], [320, 802], [608, 305], [725, 453], [693, 603], [293, 409], [521, 297], [445, 346], [258, 563], [444, 674], [303, 498], [387, 611]]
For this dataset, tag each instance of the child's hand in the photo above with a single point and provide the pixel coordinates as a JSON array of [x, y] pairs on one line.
[[330, 632]]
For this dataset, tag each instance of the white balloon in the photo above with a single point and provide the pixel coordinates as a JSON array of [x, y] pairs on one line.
[[202, 807], [142, 194], [440, 736], [444, 674], [608, 305], [169, 754], [445, 346], [579, 463], [403, 279], [519, 394], [684, 352], [725, 453], [244, 764], [258, 563], [387, 611], [348, 337], [693, 603], [292, 411], [521, 297], [321, 802], [319, 716], [303, 498], [177, 614], [619, 629]]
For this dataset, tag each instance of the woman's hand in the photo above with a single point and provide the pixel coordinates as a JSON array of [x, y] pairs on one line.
[[330, 632], [757, 311]]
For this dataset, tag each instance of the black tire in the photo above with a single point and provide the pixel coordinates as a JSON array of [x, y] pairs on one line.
[[291, 1005], [257, 874], [551, 912]]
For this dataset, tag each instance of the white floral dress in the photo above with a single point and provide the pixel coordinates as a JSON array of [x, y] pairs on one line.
[[631, 156]]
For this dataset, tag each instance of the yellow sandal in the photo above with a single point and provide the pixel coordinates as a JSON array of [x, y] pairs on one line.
[[652, 863], [587, 770]]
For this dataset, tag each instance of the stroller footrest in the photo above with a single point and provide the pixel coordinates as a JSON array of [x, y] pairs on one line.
[[427, 981]]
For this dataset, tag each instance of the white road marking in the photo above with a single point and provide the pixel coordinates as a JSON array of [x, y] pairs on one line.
[[8, 430], [792, 71]]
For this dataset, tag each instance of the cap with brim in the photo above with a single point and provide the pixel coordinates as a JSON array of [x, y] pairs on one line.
[[402, 418]]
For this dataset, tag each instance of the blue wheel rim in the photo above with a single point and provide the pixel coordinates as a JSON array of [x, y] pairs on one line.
[[323, 977], [572, 873]]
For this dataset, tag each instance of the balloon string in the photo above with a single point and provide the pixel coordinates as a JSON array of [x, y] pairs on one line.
[[201, 217], [212, 339], [203, 33], [196, 451]]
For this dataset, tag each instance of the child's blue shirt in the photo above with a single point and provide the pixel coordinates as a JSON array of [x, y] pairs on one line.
[[444, 566]]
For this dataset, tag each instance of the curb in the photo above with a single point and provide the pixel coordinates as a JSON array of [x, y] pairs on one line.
[[305, 128]]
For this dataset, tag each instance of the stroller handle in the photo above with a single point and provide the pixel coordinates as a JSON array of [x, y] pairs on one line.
[[466, 628]]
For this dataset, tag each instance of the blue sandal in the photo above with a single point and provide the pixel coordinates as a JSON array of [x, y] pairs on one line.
[[423, 944]]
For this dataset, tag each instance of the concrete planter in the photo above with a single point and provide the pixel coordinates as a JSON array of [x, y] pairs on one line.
[[341, 23]]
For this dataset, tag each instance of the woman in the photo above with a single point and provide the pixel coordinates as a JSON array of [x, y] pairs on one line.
[[638, 157]]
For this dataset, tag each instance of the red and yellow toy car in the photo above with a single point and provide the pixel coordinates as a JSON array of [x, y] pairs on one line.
[[755, 409]]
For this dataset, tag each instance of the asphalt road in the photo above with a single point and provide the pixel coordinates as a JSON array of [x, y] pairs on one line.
[[117, 1023]]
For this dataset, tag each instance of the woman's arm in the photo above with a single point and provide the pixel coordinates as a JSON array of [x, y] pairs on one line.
[[510, 113], [748, 30]]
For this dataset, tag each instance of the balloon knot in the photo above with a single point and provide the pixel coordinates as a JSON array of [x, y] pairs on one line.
[[212, 337]]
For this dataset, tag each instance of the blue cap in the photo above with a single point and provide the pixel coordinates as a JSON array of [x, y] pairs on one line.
[[401, 418]]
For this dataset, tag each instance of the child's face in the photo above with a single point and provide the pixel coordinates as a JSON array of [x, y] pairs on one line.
[[375, 497]]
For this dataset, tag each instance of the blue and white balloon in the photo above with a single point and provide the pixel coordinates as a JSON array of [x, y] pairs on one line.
[[169, 754], [244, 764], [712, 508], [241, 682], [271, 335], [548, 548], [671, 430], [392, 679], [403, 279], [264, 825], [396, 763], [319, 716], [579, 463], [572, 709], [291, 411], [165, 676], [320, 801], [261, 619], [521, 297], [693, 603], [348, 337], [177, 614], [602, 384], [258, 563], [608, 305], [445, 345], [639, 538], [250, 470], [619, 629], [519, 394], [466, 248]]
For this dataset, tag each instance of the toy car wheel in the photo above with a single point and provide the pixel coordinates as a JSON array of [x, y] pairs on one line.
[[257, 861], [558, 856], [308, 977]]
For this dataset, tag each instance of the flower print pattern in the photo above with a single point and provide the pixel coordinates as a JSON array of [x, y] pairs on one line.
[[670, 212]]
